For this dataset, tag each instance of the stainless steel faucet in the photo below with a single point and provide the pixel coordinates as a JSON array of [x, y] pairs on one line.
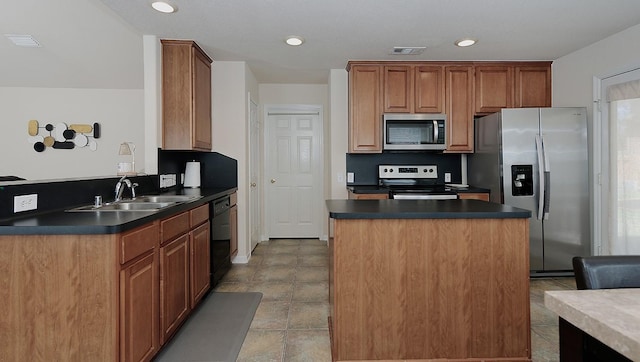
[[119, 188]]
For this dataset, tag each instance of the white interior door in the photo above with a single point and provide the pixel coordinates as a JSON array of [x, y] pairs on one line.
[[294, 174], [254, 198]]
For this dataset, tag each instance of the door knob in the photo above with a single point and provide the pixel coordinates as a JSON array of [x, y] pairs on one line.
[[253, 184], [273, 180]]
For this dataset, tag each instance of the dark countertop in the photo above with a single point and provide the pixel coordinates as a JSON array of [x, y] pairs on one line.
[[61, 222], [422, 209], [375, 189]]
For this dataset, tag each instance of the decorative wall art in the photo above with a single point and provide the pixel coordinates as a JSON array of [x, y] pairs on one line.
[[61, 136]]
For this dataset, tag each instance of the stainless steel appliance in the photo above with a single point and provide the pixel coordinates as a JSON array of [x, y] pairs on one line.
[[537, 159], [413, 182], [220, 238], [414, 132]]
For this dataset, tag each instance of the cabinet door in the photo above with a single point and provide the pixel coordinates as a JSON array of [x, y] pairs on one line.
[[139, 310], [233, 220], [429, 89], [174, 285], [533, 86], [202, 101], [365, 110], [398, 88], [459, 108], [494, 88], [355, 196], [186, 96], [474, 195], [200, 262]]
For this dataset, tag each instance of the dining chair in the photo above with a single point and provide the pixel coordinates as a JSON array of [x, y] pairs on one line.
[[607, 271]]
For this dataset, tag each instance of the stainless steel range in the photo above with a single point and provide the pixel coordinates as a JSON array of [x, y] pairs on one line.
[[413, 182]]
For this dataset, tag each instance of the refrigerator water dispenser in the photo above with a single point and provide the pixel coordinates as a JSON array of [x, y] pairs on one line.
[[522, 180]]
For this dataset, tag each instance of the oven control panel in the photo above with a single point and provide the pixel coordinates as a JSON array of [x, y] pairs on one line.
[[408, 171]]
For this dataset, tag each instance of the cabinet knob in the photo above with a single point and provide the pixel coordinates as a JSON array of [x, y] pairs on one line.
[[253, 184], [273, 180]]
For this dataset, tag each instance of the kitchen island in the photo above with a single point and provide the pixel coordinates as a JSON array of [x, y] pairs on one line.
[[427, 279]]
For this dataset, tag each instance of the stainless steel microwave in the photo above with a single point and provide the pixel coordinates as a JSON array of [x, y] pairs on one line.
[[414, 132]]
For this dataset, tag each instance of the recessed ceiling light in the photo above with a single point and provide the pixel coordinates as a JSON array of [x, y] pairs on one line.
[[294, 40], [465, 42], [163, 7], [23, 40]]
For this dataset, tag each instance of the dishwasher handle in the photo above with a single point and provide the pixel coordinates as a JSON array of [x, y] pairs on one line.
[[221, 205]]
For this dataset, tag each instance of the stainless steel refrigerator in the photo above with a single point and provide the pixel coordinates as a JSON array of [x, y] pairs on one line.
[[537, 159]]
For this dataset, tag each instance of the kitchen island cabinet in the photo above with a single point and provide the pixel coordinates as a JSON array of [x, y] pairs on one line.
[[428, 280]]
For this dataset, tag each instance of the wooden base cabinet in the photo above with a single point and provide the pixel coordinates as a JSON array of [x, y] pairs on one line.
[[139, 310], [174, 285], [448, 290], [200, 263], [112, 297]]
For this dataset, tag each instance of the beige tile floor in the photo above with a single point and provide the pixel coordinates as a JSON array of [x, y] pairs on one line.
[[291, 321]]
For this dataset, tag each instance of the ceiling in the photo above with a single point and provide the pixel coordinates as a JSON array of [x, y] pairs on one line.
[[98, 43]]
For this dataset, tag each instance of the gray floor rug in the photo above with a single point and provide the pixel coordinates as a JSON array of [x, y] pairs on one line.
[[215, 331]]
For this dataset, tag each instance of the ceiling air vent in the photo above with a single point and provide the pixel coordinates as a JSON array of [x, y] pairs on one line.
[[23, 40], [407, 50]]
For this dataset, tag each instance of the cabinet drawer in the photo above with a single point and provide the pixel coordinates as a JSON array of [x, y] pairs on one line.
[[138, 241], [199, 215], [174, 226]]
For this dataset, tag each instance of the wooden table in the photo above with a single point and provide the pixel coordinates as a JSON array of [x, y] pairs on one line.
[[610, 316]]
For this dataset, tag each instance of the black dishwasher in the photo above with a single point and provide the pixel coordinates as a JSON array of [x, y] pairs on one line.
[[220, 238]]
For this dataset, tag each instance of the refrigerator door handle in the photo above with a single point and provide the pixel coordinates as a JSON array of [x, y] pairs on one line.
[[541, 177], [547, 183]]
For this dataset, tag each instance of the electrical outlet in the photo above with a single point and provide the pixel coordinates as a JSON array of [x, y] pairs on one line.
[[350, 177], [447, 177], [167, 180], [25, 203]]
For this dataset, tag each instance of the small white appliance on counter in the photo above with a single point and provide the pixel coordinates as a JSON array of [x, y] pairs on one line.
[[192, 174]]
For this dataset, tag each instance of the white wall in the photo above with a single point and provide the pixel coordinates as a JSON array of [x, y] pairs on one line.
[[120, 114], [575, 76], [338, 133], [230, 129]]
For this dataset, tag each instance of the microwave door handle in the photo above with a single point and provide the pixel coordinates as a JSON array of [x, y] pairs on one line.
[[435, 131]]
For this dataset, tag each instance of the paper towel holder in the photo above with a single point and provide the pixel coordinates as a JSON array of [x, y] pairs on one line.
[[192, 174]]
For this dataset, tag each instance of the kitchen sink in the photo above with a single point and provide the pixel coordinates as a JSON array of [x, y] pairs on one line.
[[164, 198], [140, 203], [126, 206]]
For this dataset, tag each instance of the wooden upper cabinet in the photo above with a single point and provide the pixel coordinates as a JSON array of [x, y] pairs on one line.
[[413, 89], [518, 85], [429, 89], [494, 88], [186, 96], [365, 109], [398, 89], [459, 108], [533, 86]]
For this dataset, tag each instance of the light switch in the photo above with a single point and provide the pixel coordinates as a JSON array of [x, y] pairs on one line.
[[350, 177]]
